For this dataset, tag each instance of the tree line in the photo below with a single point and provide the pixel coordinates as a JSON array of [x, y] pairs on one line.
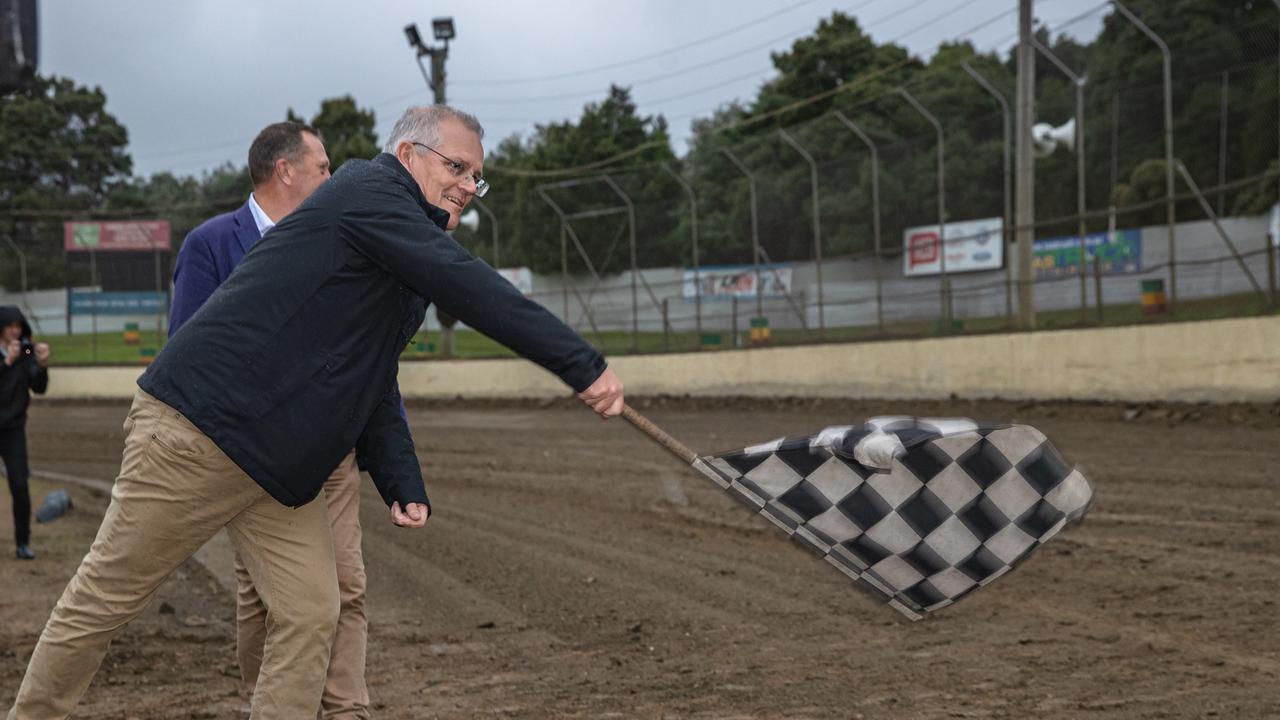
[[63, 156]]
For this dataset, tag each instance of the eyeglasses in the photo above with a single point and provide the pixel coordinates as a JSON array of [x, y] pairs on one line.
[[459, 170]]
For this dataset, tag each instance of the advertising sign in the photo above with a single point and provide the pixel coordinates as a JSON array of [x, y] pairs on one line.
[[972, 245], [1118, 252], [115, 236], [118, 303], [729, 281]]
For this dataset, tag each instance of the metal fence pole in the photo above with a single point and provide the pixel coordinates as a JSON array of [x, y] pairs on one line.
[[493, 223], [1097, 286], [1208, 210], [817, 224], [1007, 116], [693, 230], [755, 229], [1277, 4], [1271, 274], [1080, 177], [635, 269], [1115, 162], [666, 327], [1170, 212], [1025, 167], [564, 252], [160, 339], [1222, 142], [875, 212], [564, 270], [733, 327], [942, 204]]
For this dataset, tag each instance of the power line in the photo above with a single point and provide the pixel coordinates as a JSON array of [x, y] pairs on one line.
[[642, 58], [948, 13], [653, 78], [787, 108]]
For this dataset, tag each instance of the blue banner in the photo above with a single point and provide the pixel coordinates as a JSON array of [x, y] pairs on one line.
[[118, 303], [1119, 252]]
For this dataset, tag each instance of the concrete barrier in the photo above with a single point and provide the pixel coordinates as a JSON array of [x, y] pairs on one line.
[[1216, 361]]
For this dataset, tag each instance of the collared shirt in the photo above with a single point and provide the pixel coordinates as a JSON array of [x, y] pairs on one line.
[[260, 218]]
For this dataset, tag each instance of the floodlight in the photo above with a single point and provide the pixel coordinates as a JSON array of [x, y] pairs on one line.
[[442, 28], [411, 32]]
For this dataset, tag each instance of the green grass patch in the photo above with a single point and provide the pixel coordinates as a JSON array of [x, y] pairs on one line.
[[110, 348]]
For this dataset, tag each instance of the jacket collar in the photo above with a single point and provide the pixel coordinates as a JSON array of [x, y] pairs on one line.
[[246, 229], [434, 214]]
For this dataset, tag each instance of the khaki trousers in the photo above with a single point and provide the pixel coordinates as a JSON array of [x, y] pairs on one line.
[[175, 490], [345, 697]]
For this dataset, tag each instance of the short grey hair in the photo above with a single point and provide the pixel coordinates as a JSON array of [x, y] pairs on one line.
[[421, 123]]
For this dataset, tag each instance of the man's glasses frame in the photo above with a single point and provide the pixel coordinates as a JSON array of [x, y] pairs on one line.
[[458, 169]]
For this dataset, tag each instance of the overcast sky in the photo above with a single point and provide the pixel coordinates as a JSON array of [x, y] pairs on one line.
[[194, 81]]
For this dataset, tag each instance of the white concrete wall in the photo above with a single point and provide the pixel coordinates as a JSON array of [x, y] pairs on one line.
[[1216, 361]]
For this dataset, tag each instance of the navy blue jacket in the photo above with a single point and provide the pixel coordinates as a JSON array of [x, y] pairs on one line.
[[293, 359], [208, 255]]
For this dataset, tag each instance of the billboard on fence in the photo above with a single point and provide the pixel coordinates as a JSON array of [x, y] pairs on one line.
[[1118, 252], [88, 302], [730, 281], [972, 245], [115, 236]]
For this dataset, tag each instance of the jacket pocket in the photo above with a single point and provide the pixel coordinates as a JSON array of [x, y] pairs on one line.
[[261, 394]]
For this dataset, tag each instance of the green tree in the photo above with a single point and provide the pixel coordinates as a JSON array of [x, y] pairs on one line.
[[347, 129], [61, 153], [606, 130]]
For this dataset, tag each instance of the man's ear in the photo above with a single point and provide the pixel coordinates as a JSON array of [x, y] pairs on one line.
[[403, 151], [284, 171]]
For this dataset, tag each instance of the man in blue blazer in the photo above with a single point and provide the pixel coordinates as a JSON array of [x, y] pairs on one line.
[[287, 162]]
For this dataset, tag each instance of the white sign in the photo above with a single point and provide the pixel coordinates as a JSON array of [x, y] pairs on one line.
[[726, 281], [520, 277], [972, 245]]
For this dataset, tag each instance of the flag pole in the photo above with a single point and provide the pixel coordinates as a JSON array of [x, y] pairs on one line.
[[658, 435]]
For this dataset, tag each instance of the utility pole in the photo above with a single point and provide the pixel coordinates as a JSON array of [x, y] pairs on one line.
[[442, 29], [1025, 212]]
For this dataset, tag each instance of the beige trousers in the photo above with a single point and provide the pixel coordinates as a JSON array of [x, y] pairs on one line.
[[345, 695], [175, 490]]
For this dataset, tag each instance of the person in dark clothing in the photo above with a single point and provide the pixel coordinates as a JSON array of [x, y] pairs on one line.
[[291, 363], [24, 371]]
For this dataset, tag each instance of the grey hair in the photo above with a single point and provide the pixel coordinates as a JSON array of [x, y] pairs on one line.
[[421, 123]]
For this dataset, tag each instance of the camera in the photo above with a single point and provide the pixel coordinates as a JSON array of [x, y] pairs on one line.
[[26, 346]]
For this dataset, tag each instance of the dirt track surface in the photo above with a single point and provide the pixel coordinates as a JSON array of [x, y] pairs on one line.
[[575, 570]]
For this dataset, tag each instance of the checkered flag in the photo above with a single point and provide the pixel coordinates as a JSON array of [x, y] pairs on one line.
[[920, 512]]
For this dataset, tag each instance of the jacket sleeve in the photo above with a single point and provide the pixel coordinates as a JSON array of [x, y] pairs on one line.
[[195, 277], [394, 233], [385, 450]]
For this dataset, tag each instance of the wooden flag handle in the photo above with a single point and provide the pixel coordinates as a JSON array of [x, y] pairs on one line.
[[658, 435]]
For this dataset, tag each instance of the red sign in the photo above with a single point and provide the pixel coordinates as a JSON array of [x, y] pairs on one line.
[[115, 236], [922, 248]]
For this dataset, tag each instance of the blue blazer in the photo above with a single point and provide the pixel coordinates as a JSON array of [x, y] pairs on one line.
[[206, 259]]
